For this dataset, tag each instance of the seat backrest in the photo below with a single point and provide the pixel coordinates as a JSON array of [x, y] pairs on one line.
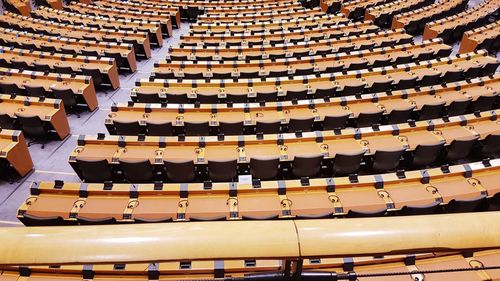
[[180, 170], [19, 64], [266, 97], [176, 98], [426, 154], [453, 75], [484, 103], [124, 128], [197, 128], [352, 90], [307, 165], [6, 122], [66, 95], [231, 128], [431, 208], [296, 95], [272, 127], [347, 163], [147, 98], [159, 128], [222, 170], [300, 124], [369, 118], [491, 145], [9, 88], [94, 170], [386, 160], [458, 107], [94, 73], [32, 125], [35, 91], [207, 98], [464, 205], [460, 148], [397, 116], [137, 171], [63, 69], [431, 111], [335, 122], [264, 168]]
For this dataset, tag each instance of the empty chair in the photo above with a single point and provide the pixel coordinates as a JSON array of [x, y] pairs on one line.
[[231, 128], [67, 96], [406, 83], [91, 53], [366, 119], [63, 69], [236, 98], [332, 122], [10, 88], [159, 128], [35, 91], [19, 64], [304, 71], [127, 128], [32, 126], [463, 205], [94, 170], [403, 59], [349, 90], [6, 122], [137, 171], [176, 98], [180, 170], [426, 154], [301, 124], [380, 62], [429, 79], [380, 86], [223, 170], [94, 73], [268, 127], [431, 111], [489, 68], [278, 73], [453, 75], [363, 214], [49, 49], [358, 65], [266, 96], [458, 107], [347, 163], [207, 98], [197, 128], [484, 103], [386, 160], [307, 165], [264, 168], [296, 95], [491, 145], [147, 98], [31, 220], [431, 208], [460, 148], [399, 115]]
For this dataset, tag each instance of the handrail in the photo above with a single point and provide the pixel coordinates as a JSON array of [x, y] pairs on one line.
[[292, 239]]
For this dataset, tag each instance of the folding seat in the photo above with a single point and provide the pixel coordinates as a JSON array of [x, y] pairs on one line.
[[207, 98], [458, 107], [127, 128], [197, 128], [20, 64], [403, 59], [380, 86], [180, 170], [473, 71], [94, 170], [231, 128], [304, 71], [426, 154], [296, 95], [223, 170], [159, 128], [399, 115], [42, 67], [431, 111], [344, 49], [431, 208], [264, 168], [349, 90], [369, 118], [429, 80], [381, 62], [10, 88], [386, 160], [236, 98], [463, 205], [490, 68], [31, 220], [307, 165], [67, 96], [35, 91], [301, 124], [444, 52], [32, 126], [49, 49], [333, 68], [358, 65], [94, 73], [484, 103], [332, 122], [405, 83], [347, 163], [453, 75], [67, 50], [148, 98], [63, 69], [6, 122], [491, 145], [425, 56], [137, 171], [268, 127], [118, 58], [176, 98]]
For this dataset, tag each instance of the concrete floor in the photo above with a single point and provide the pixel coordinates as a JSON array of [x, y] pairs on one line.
[[51, 163]]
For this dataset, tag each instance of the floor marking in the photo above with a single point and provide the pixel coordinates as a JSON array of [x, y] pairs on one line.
[[11, 222], [57, 173]]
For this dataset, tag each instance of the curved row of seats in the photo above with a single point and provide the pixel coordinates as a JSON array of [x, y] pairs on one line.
[[382, 15], [423, 103], [465, 188], [484, 37]]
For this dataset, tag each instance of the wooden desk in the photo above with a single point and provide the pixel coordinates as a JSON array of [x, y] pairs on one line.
[[49, 110], [333, 197], [389, 9], [165, 22], [23, 6], [404, 19], [290, 14], [82, 86], [436, 28], [126, 51], [349, 7], [250, 113], [13, 148], [106, 66], [475, 37], [139, 38], [152, 28], [257, 9]]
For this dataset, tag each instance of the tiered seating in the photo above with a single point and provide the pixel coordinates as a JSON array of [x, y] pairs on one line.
[[452, 28], [414, 21], [320, 85], [461, 188], [396, 107], [36, 117], [123, 54], [152, 28], [485, 37], [355, 9], [382, 15], [14, 155], [162, 18], [73, 90], [281, 6], [255, 18], [102, 70], [140, 40]]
